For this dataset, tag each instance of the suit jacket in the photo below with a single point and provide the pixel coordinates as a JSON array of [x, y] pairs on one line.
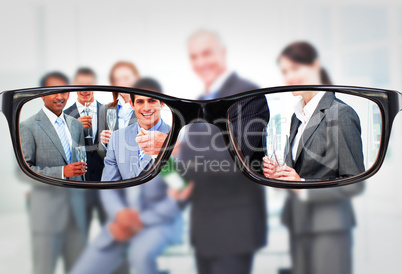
[[121, 162], [51, 206], [102, 125], [94, 161], [330, 147], [228, 212]]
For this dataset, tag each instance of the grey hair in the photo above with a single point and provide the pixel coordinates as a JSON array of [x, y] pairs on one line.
[[207, 32]]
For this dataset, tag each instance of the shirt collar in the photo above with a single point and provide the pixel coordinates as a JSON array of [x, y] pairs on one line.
[[92, 106], [52, 117], [218, 83], [121, 104], [154, 128], [305, 111]]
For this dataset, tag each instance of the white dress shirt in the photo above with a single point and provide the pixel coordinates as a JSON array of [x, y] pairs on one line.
[[124, 113], [52, 117], [94, 114], [304, 112]]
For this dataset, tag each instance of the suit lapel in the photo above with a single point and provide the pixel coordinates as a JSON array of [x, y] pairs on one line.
[[315, 121], [73, 130], [294, 126], [312, 125], [130, 133], [226, 87], [116, 126], [98, 106], [75, 112], [50, 131], [133, 119]]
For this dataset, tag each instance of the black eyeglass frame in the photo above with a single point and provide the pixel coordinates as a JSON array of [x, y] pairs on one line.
[[214, 111]]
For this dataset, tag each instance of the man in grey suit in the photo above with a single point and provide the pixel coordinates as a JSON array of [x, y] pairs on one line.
[[57, 214], [320, 221], [142, 219]]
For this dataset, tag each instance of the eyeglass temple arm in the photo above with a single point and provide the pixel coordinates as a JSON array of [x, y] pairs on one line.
[[395, 103], [400, 101]]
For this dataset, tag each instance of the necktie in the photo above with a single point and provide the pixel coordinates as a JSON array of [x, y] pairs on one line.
[[63, 138], [141, 155]]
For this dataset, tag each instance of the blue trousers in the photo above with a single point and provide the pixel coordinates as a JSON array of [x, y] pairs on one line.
[[142, 251]]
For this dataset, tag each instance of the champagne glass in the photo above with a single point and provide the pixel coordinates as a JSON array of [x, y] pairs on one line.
[[88, 112], [268, 142], [280, 150], [81, 156], [111, 118]]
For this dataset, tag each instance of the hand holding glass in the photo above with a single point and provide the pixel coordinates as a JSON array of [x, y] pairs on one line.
[[81, 155], [274, 149]]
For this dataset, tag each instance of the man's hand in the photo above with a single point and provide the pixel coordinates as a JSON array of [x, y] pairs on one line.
[[86, 121], [75, 169], [105, 136], [151, 142], [119, 232], [181, 195], [129, 219]]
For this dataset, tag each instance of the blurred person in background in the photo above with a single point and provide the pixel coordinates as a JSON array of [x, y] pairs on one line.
[[142, 220], [319, 221], [83, 77], [228, 212], [122, 74], [57, 215]]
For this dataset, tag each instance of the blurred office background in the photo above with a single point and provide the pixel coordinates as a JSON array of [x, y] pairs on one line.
[[360, 43]]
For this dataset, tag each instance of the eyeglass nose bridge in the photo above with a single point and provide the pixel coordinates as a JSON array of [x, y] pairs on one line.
[[197, 111], [214, 112]]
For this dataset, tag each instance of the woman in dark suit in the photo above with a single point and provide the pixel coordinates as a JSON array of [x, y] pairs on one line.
[[123, 74], [325, 143]]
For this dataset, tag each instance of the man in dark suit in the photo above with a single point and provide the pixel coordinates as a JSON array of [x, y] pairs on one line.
[[86, 76], [228, 213], [57, 215]]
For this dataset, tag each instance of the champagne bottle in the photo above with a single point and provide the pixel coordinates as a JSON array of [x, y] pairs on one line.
[[171, 177]]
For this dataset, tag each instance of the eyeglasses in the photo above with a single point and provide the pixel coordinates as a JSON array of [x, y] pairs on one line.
[[338, 137]]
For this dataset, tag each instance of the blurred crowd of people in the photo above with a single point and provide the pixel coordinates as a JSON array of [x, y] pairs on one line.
[[228, 216]]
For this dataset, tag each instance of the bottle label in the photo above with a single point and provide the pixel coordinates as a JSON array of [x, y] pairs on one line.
[[174, 181]]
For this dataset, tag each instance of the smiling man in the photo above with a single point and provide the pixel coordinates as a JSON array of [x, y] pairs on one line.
[[57, 215], [144, 219], [228, 213]]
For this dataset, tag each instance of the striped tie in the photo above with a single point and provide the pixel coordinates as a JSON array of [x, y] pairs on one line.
[[141, 153], [63, 138]]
